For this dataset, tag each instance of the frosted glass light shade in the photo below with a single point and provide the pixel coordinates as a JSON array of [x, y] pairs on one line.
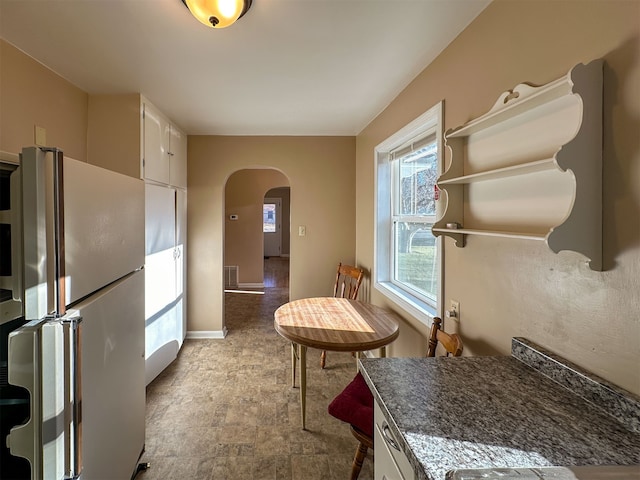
[[217, 13]]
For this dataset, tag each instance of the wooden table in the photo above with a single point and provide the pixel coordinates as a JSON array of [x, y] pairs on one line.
[[334, 324]]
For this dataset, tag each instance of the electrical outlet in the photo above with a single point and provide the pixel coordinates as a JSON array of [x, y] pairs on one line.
[[454, 310]]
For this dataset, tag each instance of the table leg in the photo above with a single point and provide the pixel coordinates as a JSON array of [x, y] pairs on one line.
[[294, 359], [303, 383], [383, 352]]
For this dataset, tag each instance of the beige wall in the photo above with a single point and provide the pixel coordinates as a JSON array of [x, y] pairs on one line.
[[321, 173], [114, 132], [509, 287], [243, 244], [30, 95]]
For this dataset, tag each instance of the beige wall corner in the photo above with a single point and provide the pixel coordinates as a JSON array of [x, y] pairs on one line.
[[30, 95]]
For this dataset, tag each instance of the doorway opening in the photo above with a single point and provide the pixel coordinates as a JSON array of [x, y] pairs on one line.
[[256, 235], [272, 227]]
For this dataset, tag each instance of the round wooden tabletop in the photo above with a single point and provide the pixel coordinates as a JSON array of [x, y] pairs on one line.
[[337, 324]]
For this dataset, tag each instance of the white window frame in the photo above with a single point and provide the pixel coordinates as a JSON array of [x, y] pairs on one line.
[[428, 123]]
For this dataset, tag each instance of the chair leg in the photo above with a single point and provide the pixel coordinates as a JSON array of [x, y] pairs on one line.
[[323, 358], [361, 453]]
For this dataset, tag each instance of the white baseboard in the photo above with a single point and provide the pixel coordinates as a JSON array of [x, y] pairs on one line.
[[204, 334], [251, 285]]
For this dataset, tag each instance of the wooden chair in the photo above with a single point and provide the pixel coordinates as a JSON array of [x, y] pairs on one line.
[[348, 280], [354, 405]]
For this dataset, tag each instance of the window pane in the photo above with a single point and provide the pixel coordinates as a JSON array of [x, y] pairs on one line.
[[418, 174], [269, 218], [416, 262], [408, 260]]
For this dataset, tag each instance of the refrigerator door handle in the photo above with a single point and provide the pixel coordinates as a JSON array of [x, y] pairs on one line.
[[42, 206], [73, 395]]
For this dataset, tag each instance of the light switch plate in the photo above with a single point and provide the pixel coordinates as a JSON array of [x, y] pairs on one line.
[[40, 136]]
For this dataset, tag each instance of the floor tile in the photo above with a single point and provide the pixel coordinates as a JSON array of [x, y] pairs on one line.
[[225, 409]]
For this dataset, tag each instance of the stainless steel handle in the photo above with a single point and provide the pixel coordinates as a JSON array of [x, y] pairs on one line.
[[59, 302], [388, 436], [77, 406], [73, 395]]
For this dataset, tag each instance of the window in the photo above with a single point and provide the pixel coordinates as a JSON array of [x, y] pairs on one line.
[[408, 256], [269, 218]]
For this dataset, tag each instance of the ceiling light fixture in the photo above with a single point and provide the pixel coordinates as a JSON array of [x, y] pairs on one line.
[[217, 13]]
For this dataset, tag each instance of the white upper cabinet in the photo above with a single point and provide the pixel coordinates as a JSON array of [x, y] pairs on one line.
[[164, 149], [531, 167], [156, 145], [177, 158], [128, 134]]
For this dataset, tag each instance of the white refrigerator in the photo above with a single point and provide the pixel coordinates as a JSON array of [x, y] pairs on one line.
[[81, 353]]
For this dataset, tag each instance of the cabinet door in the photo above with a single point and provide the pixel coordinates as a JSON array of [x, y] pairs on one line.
[[156, 145], [178, 158], [181, 262], [162, 330]]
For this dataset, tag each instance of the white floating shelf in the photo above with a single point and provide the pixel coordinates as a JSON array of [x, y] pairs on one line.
[[523, 98], [551, 128], [491, 233], [505, 172]]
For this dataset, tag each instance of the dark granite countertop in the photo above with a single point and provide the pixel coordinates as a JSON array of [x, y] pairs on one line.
[[480, 412]]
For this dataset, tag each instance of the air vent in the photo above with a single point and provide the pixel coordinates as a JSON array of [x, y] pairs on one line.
[[231, 276]]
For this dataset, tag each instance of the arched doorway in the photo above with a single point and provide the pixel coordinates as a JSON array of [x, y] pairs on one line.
[[245, 191]]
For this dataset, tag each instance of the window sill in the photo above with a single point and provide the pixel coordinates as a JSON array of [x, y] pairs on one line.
[[422, 311]]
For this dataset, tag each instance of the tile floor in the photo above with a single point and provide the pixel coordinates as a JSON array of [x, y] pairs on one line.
[[225, 409]]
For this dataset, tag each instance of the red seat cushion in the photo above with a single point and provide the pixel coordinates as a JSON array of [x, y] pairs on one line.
[[354, 405]]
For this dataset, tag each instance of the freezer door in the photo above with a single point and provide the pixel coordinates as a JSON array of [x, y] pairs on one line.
[[83, 229], [104, 227]]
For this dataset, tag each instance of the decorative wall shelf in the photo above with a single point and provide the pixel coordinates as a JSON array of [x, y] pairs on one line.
[[531, 167]]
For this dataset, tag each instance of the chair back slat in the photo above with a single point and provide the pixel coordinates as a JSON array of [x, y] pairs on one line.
[[348, 280], [451, 342]]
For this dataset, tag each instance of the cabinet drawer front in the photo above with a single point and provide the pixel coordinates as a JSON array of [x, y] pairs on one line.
[[385, 467], [390, 462]]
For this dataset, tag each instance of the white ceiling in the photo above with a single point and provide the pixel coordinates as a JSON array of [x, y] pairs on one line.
[[288, 67]]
